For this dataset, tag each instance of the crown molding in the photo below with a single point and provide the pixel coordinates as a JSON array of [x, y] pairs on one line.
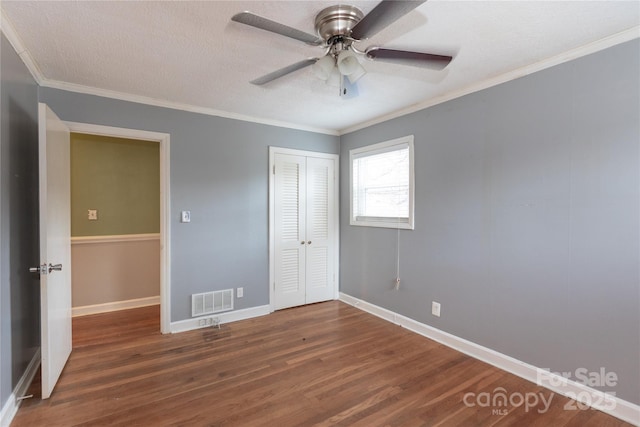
[[16, 42], [613, 40], [14, 39], [88, 90]]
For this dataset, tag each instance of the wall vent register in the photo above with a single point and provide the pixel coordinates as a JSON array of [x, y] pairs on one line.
[[211, 302]]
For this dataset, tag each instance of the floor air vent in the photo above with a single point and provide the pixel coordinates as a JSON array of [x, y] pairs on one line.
[[211, 302]]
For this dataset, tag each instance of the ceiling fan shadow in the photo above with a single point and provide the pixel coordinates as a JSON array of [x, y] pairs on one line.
[[435, 77], [405, 25], [424, 76]]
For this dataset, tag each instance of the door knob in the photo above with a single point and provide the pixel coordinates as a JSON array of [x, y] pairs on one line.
[[55, 267], [41, 269], [302, 243], [309, 242]]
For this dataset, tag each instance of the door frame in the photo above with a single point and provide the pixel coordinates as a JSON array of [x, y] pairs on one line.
[[336, 214], [165, 203]]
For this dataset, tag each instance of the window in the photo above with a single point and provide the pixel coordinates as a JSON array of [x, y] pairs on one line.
[[382, 184]]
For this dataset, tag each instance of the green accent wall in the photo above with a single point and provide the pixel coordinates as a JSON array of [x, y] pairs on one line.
[[118, 177]]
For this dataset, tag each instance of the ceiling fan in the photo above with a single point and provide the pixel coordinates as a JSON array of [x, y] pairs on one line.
[[338, 30]]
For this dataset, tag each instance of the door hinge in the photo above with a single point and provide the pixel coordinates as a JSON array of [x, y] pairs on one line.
[[274, 169]]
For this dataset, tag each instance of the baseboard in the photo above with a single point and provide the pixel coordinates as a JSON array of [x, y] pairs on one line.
[[114, 306], [611, 405], [10, 408], [226, 317]]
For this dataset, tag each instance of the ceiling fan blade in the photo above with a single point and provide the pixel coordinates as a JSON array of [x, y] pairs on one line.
[[384, 14], [283, 71], [249, 18], [404, 57]]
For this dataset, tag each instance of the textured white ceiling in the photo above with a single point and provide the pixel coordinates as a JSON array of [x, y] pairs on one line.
[[190, 53]]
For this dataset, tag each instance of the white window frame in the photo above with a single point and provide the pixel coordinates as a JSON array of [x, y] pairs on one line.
[[379, 148]]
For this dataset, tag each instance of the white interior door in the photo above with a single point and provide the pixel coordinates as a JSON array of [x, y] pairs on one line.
[[320, 228], [290, 215], [55, 246], [304, 229]]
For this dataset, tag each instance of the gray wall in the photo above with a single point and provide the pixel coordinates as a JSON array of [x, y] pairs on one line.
[[219, 171], [527, 219], [19, 290]]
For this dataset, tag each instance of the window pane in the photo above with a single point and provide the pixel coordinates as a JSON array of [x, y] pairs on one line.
[[381, 185]]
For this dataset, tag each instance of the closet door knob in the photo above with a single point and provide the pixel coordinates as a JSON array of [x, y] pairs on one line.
[[309, 242], [302, 243]]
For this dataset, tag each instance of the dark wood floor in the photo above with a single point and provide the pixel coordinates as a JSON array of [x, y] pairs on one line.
[[323, 364]]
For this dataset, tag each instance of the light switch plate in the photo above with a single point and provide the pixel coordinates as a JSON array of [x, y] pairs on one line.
[[185, 216], [92, 214]]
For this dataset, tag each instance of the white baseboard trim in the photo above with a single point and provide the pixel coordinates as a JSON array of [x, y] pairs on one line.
[[114, 306], [226, 317], [10, 408], [596, 399]]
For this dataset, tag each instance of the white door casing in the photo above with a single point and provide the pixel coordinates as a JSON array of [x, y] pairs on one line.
[[164, 140], [303, 230], [55, 246]]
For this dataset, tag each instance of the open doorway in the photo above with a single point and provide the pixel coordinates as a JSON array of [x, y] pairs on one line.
[[115, 223], [120, 260]]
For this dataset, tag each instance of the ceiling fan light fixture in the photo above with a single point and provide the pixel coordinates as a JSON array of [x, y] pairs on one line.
[[357, 74], [323, 67], [334, 78], [347, 62], [338, 30]]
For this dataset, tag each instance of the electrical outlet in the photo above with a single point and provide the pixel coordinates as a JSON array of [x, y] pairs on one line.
[[239, 292], [185, 216], [435, 308], [92, 214], [208, 321]]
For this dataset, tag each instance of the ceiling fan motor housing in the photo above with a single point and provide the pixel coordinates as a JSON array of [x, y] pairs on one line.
[[337, 21]]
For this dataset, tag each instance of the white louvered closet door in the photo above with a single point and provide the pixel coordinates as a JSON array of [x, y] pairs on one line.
[[320, 234], [304, 230], [290, 243]]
